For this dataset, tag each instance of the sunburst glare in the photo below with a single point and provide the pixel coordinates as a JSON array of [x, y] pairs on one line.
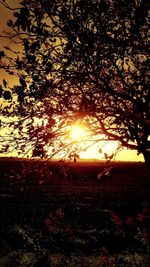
[[78, 132]]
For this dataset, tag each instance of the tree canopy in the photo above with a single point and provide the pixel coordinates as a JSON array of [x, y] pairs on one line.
[[84, 60]]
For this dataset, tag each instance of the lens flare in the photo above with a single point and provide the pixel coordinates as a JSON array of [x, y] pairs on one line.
[[77, 132]]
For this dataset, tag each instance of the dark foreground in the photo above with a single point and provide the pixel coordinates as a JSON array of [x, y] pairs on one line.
[[56, 214]]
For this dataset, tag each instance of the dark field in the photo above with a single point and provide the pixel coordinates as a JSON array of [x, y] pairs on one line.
[[55, 214]]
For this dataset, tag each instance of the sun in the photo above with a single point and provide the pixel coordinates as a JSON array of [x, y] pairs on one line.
[[77, 132]]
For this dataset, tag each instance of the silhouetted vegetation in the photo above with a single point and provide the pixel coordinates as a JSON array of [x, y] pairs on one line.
[[78, 60], [54, 214]]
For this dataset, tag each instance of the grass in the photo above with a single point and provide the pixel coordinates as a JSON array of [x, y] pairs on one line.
[[60, 215]]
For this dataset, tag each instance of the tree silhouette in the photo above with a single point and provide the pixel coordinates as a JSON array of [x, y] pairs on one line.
[[83, 59]]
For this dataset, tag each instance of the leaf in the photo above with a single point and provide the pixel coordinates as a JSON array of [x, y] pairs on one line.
[[7, 95], [31, 58], [26, 44], [1, 91], [24, 26], [4, 83], [10, 23], [16, 14], [2, 54], [20, 64], [34, 47], [100, 151], [10, 72], [22, 82], [24, 12]]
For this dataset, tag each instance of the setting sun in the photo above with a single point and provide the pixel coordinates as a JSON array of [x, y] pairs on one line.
[[77, 132]]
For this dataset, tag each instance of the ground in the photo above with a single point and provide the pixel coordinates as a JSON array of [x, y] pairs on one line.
[[59, 214]]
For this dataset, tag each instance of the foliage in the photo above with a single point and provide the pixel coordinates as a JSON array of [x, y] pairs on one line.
[[43, 225], [60, 241], [81, 59], [105, 63]]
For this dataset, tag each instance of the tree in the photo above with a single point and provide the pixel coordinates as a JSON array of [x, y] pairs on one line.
[[29, 108], [86, 60]]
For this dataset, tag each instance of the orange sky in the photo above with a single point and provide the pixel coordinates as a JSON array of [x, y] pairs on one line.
[[124, 155]]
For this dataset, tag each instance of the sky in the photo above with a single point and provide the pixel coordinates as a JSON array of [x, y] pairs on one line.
[[92, 152], [5, 15]]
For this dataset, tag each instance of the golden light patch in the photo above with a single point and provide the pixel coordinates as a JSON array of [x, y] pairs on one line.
[[77, 132]]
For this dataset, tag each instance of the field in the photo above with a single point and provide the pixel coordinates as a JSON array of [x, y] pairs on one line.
[[56, 214]]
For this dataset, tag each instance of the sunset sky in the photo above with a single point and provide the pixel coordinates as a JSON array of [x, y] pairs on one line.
[[92, 152]]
